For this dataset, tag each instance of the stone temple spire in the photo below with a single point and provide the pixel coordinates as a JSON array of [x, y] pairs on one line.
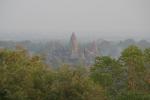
[[94, 47], [74, 46]]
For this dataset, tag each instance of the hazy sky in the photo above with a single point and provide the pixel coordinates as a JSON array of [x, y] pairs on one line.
[[112, 16]]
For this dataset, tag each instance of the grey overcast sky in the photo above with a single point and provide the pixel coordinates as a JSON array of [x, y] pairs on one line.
[[112, 16]]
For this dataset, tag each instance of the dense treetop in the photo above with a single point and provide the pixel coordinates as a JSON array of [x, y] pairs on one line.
[[26, 77]]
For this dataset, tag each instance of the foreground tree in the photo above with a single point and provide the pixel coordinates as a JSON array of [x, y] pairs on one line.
[[24, 77], [108, 73], [74, 84], [147, 66], [132, 59], [18, 73], [126, 78]]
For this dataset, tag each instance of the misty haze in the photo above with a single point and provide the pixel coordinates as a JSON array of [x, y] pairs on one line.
[[74, 50]]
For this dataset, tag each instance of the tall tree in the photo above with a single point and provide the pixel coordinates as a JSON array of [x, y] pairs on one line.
[[108, 73], [132, 59]]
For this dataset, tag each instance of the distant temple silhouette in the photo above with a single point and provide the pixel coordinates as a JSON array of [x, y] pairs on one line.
[[86, 54], [74, 46]]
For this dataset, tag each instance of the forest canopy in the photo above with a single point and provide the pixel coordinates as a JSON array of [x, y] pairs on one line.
[[27, 77]]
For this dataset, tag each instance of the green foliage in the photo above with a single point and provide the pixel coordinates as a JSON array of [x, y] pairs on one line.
[[74, 84], [147, 57], [133, 56], [127, 78], [18, 71], [101, 71], [133, 60], [133, 96], [24, 77], [108, 73]]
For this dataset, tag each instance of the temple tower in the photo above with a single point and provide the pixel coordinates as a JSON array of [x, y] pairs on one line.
[[74, 46]]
